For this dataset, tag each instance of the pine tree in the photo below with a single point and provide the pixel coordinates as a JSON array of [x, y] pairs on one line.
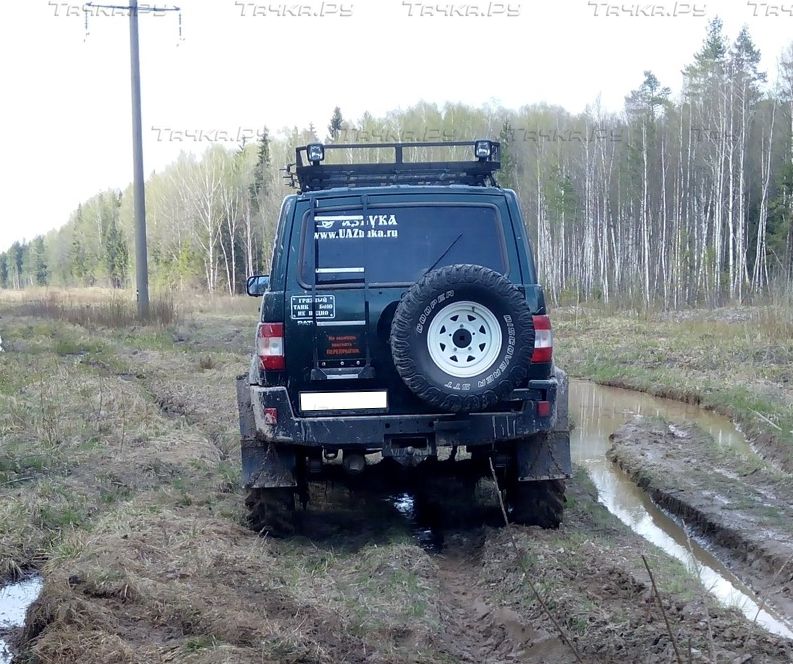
[[116, 254], [646, 101], [261, 172], [336, 125], [507, 176], [39, 255], [15, 263], [257, 232], [4, 270]]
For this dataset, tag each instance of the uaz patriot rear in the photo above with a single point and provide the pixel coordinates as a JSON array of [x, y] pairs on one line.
[[402, 321]]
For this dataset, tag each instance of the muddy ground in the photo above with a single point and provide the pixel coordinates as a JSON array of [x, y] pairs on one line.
[[118, 482], [742, 507]]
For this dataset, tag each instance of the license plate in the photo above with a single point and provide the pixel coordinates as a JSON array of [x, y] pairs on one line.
[[341, 401]]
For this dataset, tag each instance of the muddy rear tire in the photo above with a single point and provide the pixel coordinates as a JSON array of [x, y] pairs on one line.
[[538, 503], [272, 511]]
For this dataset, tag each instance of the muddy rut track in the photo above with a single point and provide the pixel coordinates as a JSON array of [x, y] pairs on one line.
[[452, 525], [475, 627]]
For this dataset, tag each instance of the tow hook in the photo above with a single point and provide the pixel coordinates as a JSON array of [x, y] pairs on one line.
[[354, 463]]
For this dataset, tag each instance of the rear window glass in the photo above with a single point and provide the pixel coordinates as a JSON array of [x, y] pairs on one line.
[[398, 245]]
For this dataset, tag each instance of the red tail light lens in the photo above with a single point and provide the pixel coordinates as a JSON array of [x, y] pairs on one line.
[[543, 340], [270, 346]]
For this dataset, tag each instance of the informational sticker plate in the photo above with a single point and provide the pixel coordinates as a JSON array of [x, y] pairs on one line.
[[324, 401], [301, 307], [340, 346]]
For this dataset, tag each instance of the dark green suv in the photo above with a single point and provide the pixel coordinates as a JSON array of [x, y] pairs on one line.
[[402, 319]]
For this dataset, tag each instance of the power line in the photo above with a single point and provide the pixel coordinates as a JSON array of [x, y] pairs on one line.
[[148, 9]]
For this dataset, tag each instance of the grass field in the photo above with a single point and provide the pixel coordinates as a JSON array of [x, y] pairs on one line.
[[119, 484], [736, 361]]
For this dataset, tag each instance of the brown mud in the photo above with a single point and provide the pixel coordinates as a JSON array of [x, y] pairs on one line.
[[147, 559], [742, 508], [181, 585]]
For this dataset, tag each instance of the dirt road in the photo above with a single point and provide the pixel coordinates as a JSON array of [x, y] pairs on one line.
[[122, 491]]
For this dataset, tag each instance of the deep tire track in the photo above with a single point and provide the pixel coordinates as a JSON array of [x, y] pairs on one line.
[[475, 627]]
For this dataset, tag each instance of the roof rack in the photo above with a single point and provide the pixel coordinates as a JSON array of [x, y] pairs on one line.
[[308, 173]]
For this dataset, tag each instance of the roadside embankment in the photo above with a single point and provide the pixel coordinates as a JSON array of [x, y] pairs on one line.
[[743, 506], [736, 361]]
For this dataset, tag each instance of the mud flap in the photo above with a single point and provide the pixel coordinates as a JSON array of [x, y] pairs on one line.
[[264, 465], [247, 420], [267, 465], [544, 456], [562, 421]]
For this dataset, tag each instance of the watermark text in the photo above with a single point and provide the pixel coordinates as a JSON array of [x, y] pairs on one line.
[[274, 9], [70, 10], [770, 8], [238, 135], [648, 9], [464, 9]]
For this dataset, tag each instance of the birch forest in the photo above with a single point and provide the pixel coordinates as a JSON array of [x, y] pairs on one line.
[[678, 200]]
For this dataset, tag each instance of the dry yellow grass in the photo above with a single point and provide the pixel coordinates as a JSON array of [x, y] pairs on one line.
[[119, 481], [738, 361]]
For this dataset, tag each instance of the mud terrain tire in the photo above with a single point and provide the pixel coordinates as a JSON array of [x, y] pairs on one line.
[[539, 503], [271, 511], [462, 338]]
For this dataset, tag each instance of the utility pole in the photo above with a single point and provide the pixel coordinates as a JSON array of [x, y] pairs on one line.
[[138, 183], [139, 195]]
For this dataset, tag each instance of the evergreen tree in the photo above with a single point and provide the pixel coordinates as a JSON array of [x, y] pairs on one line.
[[79, 268], [116, 254], [648, 99], [336, 125], [16, 256], [4, 270], [507, 176], [709, 62], [39, 262], [261, 172]]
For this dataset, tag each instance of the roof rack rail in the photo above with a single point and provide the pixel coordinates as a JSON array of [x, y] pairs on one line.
[[308, 173]]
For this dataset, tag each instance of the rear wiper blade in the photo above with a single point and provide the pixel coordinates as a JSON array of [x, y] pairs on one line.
[[443, 255]]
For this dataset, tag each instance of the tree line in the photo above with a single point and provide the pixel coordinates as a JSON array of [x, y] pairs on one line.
[[679, 199]]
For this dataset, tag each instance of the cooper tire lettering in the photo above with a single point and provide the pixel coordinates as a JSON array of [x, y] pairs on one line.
[[462, 322]]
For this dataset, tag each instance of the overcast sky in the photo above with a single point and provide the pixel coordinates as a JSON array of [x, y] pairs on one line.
[[64, 98]]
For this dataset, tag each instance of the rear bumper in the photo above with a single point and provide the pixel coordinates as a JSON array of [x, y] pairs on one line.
[[377, 431]]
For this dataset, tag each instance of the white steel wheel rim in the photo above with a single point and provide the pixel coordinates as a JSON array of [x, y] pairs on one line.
[[464, 339]]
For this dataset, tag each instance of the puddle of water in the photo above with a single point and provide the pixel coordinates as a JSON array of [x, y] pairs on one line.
[[429, 536], [14, 601], [599, 411]]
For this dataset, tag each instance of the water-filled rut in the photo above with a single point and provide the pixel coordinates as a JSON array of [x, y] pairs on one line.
[[14, 601], [598, 411]]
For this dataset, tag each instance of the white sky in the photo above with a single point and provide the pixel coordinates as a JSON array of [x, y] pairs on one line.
[[64, 100]]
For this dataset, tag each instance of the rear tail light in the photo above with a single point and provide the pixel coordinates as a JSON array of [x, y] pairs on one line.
[[270, 346], [543, 340]]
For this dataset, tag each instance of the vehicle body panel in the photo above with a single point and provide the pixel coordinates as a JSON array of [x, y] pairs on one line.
[[336, 339]]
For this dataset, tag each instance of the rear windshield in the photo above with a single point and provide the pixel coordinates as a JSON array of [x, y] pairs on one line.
[[398, 245]]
